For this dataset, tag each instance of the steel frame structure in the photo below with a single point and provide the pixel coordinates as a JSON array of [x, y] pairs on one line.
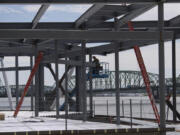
[[26, 39]]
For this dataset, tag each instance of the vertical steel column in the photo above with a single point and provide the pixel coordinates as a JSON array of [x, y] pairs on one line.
[[77, 87], [32, 85], [79, 92], [57, 80], [161, 65], [36, 85], [90, 88], [83, 79], [17, 79], [66, 93], [174, 77], [117, 77], [117, 85], [41, 87]]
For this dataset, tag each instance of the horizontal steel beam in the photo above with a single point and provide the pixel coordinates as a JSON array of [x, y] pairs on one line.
[[70, 25], [40, 25], [78, 1], [82, 35], [109, 48], [104, 49], [69, 62], [13, 51], [174, 21], [137, 11], [91, 11], [14, 68]]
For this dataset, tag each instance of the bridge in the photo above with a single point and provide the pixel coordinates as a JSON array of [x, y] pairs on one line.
[[129, 81]]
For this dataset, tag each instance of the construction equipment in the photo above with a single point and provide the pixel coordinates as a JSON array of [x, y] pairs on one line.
[[103, 72]]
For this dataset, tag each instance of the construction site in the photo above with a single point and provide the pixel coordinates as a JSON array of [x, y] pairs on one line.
[[87, 96]]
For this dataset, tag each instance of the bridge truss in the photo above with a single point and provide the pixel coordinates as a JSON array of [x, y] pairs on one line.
[[127, 80]]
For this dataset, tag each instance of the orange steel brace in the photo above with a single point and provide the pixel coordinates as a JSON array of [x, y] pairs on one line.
[[145, 76], [37, 62]]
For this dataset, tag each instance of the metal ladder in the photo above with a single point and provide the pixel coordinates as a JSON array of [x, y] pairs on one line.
[[35, 68], [145, 76]]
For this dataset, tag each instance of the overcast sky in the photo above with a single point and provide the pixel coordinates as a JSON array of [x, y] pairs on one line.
[[69, 13]]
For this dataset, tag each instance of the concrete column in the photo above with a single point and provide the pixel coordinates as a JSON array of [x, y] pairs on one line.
[[174, 77], [161, 66], [17, 79], [57, 78], [90, 88]]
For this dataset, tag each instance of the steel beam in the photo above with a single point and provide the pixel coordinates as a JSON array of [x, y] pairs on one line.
[[80, 1], [174, 21], [17, 79], [57, 78], [90, 88], [103, 49], [39, 14], [13, 51], [70, 25], [36, 85], [117, 86], [174, 77], [82, 35], [41, 87], [15, 68], [91, 11], [83, 80], [161, 66], [32, 85], [78, 87], [68, 62], [109, 48], [66, 94], [139, 9]]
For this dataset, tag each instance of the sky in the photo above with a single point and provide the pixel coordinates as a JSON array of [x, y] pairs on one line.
[[69, 13]]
